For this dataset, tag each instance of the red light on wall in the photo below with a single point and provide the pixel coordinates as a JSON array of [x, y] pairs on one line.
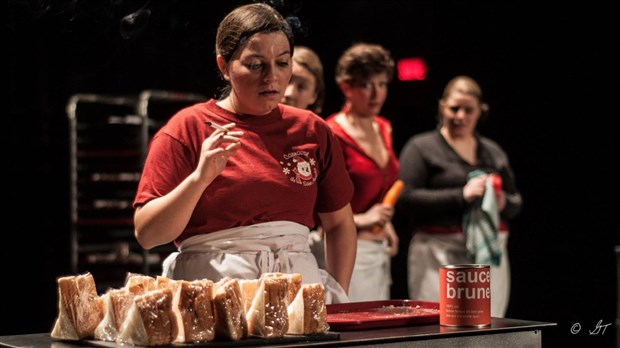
[[411, 69]]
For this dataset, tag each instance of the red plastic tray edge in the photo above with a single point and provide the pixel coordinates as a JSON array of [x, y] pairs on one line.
[[378, 323]]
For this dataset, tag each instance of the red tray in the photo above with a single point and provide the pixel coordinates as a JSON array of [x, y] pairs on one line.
[[375, 314]]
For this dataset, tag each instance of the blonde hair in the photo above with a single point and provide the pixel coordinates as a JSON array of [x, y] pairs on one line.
[[466, 85], [307, 58]]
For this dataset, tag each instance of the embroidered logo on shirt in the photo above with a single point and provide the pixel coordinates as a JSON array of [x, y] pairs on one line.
[[299, 168]]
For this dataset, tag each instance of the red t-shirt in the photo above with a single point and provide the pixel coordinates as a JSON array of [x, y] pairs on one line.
[[289, 165], [371, 182]]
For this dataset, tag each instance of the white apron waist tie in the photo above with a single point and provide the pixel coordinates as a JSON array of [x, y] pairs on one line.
[[246, 252]]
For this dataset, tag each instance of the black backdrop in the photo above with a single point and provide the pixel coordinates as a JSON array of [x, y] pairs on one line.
[[548, 71]]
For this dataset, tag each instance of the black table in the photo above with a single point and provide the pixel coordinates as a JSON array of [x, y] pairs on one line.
[[502, 332]]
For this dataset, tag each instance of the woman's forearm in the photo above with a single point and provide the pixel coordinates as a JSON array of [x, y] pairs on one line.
[[341, 244], [163, 219]]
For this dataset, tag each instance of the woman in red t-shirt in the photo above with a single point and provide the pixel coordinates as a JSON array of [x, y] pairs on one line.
[[235, 182]]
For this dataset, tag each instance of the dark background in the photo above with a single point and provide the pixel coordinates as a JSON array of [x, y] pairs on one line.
[[548, 70]]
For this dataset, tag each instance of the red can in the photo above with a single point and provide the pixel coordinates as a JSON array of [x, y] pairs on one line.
[[465, 295]]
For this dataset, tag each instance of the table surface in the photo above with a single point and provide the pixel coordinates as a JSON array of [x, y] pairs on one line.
[[356, 337]]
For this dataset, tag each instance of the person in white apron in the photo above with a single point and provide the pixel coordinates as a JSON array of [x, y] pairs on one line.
[[363, 73], [235, 183], [440, 192], [249, 251]]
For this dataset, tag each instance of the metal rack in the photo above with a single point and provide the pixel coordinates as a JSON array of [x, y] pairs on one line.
[[109, 138]]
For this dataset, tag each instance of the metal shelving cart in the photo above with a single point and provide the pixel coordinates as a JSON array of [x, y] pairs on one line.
[[109, 138]]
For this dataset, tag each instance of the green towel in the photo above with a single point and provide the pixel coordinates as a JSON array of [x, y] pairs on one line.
[[480, 224]]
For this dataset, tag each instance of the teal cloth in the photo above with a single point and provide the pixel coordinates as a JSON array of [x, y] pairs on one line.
[[481, 225]]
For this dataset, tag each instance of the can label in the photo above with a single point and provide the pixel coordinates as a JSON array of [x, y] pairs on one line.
[[465, 295]]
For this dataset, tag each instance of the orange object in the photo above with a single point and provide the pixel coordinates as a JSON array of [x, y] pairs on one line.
[[390, 198], [497, 182], [465, 295]]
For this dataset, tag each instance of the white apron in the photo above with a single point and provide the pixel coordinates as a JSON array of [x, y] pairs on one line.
[[429, 251], [372, 266], [246, 252]]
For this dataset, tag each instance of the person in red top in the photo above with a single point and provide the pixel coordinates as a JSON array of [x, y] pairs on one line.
[[363, 73], [235, 182]]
